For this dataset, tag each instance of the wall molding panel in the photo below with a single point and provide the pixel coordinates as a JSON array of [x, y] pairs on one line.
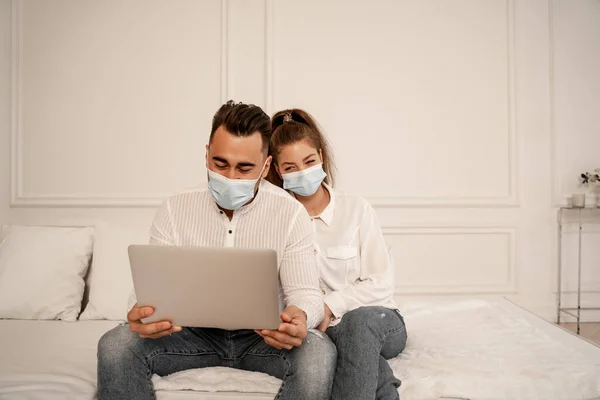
[[18, 198], [506, 285], [511, 200]]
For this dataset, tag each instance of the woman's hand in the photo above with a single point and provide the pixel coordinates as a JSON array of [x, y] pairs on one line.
[[326, 319]]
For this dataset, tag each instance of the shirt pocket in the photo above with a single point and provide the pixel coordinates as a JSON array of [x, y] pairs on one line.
[[345, 263], [341, 252]]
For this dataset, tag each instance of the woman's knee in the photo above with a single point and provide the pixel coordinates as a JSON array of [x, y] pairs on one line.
[[379, 319], [394, 344]]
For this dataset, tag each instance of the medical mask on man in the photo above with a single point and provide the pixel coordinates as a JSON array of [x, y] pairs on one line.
[[232, 194], [305, 182]]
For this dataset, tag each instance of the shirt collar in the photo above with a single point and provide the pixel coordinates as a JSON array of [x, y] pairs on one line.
[[327, 214]]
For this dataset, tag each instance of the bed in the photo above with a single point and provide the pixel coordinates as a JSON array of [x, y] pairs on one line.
[[461, 349]]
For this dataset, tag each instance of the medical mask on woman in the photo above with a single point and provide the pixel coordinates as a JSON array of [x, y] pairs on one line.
[[231, 194], [305, 182]]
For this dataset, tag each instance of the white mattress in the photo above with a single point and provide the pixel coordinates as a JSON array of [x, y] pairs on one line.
[[463, 349]]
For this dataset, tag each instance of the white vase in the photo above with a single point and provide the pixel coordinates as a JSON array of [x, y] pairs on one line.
[[578, 200]]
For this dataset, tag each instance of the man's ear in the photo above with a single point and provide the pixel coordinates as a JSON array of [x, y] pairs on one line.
[[267, 166], [206, 156]]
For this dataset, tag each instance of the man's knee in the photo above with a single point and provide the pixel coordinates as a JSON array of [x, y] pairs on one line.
[[116, 346], [315, 364], [319, 347]]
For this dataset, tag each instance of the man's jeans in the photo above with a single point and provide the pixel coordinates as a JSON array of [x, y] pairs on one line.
[[365, 338], [126, 362]]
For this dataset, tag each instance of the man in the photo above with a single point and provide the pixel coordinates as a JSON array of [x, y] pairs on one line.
[[238, 209]]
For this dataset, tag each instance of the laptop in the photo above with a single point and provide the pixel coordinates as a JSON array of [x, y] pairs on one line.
[[227, 288]]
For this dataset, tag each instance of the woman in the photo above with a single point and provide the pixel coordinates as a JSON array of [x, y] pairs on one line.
[[356, 271]]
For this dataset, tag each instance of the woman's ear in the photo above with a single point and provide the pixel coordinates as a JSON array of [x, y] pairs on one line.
[[277, 170], [321, 154]]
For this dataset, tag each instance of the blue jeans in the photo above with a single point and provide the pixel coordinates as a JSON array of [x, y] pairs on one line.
[[365, 338], [126, 362]]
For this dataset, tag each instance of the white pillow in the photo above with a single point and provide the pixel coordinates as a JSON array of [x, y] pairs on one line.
[[110, 283], [42, 271]]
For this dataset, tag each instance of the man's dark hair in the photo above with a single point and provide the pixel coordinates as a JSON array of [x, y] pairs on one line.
[[242, 120]]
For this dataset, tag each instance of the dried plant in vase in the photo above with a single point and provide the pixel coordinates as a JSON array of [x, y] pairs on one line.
[[592, 179]]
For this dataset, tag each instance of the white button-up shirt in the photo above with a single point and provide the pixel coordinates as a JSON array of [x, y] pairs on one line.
[[273, 220], [354, 263]]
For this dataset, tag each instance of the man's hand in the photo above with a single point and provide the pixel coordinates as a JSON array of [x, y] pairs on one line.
[[326, 319], [291, 331], [148, 331]]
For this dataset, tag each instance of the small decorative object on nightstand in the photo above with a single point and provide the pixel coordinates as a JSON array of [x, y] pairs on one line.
[[578, 200]]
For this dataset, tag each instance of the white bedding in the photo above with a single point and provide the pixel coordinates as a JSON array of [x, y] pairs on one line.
[[483, 351], [463, 349], [49, 359]]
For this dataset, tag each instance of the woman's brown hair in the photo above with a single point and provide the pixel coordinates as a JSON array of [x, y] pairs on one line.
[[291, 126]]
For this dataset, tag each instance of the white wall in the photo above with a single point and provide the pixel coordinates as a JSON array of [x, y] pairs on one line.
[[464, 122]]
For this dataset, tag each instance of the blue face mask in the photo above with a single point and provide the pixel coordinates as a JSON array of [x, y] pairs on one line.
[[305, 182], [231, 194]]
